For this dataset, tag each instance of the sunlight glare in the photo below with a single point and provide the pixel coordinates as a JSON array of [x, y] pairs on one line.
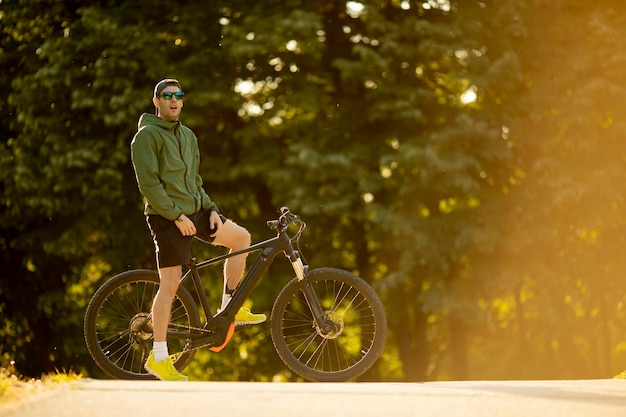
[[469, 96], [443, 5], [244, 87], [354, 9], [291, 45]]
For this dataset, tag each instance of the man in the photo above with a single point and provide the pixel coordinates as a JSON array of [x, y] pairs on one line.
[[166, 160]]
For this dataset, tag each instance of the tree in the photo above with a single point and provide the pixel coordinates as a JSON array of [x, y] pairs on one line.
[[390, 163], [64, 157], [565, 223]]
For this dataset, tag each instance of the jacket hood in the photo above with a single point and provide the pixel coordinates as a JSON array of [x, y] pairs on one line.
[[148, 119]]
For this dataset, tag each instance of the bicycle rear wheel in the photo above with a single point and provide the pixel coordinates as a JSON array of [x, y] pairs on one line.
[[118, 329], [358, 333]]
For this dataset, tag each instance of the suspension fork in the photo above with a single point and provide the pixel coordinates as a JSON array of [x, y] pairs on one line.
[[309, 294]]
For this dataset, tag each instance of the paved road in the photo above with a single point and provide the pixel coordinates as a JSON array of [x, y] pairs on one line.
[[96, 398]]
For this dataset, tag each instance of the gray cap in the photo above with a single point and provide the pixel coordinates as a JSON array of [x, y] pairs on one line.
[[164, 83]]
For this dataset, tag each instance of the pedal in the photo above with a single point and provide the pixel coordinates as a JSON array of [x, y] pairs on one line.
[[243, 326]]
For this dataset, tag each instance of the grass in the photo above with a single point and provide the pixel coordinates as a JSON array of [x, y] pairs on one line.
[[15, 388], [620, 376]]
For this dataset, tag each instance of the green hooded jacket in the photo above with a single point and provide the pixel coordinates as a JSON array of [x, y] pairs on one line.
[[166, 159]]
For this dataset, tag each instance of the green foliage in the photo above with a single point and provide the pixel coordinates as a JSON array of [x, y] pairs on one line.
[[491, 226]]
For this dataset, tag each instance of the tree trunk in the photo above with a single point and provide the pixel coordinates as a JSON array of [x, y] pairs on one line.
[[458, 348]]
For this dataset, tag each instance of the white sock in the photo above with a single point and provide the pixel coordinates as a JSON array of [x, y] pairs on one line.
[[159, 349], [225, 300]]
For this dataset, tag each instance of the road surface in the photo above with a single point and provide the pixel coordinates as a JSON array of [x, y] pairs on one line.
[[100, 398]]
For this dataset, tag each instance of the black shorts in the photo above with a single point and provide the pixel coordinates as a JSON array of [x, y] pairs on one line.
[[172, 248]]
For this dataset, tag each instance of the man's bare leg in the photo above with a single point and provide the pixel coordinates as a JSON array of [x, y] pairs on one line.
[[162, 304], [158, 363], [235, 238]]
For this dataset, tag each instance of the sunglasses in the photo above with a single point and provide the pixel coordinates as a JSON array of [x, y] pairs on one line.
[[168, 95]]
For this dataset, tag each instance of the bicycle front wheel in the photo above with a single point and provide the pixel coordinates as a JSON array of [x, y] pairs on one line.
[[118, 327], [339, 352]]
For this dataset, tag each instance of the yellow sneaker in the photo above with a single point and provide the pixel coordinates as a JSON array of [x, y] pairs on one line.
[[164, 370], [245, 317]]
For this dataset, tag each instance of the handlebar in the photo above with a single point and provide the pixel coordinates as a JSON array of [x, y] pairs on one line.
[[286, 219], [280, 225]]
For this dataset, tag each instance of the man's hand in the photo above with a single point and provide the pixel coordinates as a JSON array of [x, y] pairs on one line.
[[185, 225], [215, 222]]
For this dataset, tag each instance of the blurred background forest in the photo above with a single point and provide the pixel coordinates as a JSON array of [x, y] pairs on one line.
[[465, 157]]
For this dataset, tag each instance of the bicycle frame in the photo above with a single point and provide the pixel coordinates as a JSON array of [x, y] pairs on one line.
[[216, 327]]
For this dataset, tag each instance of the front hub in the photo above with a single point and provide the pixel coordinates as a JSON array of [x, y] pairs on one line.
[[333, 325]]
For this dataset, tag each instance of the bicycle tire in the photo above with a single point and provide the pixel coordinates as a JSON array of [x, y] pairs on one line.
[[343, 354], [122, 303]]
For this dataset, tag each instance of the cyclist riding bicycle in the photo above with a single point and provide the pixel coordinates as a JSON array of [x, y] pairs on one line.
[[166, 159]]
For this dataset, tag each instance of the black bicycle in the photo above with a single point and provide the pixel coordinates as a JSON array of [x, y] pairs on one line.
[[327, 324]]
